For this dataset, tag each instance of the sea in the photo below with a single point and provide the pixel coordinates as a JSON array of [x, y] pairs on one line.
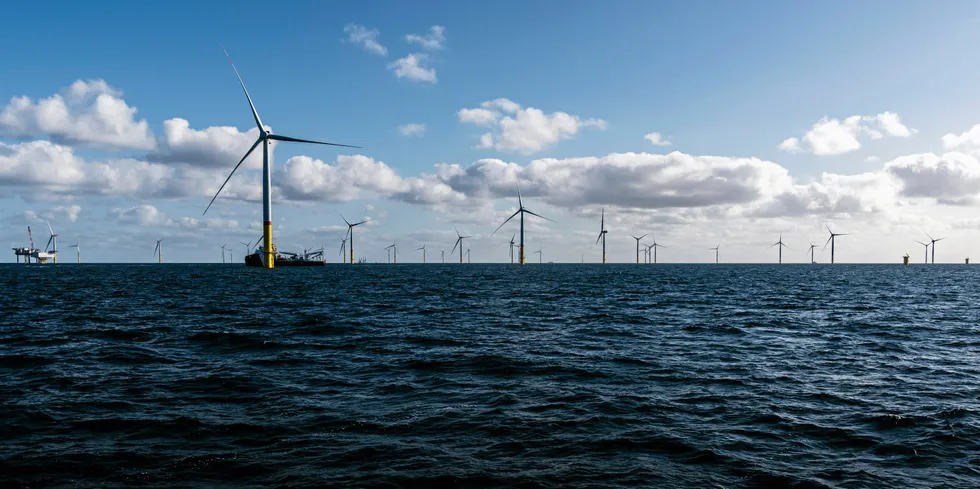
[[471, 376]]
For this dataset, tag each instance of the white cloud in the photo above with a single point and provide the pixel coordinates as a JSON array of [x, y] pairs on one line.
[[413, 68], [833, 136], [656, 139], [412, 129], [872, 159], [304, 178], [434, 40], [368, 38], [523, 130], [61, 213], [148, 215], [966, 141], [951, 178], [87, 112], [213, 147]]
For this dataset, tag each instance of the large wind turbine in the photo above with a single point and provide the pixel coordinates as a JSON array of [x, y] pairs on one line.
[[158, 251], [933, 241], [638, 246], [266, 138], [715, 249], [602, 234], [459, 242], [832, 241], [927, 249], [422, 248], [78, 252], [781, 246], [350, 234], [520, 210]]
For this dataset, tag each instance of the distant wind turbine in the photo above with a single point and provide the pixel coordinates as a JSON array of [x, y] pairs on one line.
[[638, 247], [443, 256], [540, 253], [422, 248], [654, 247], [265, 138], [781, 245], [602, 234], [512, 248], [248, 246], [350, 233], [832, 241], [812, 246], [927, 249], [223, 248], [933, 240], [343, 248], [78, 252], [468, 259], [715, 249], [520, 210], [394, 251], [459, 242], [158, 251]]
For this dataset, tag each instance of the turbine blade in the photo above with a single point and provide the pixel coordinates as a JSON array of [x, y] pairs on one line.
[[501, 224], [940, 239], [278, 137], [828, 229], [346, 221], [828, 241], [520, 202], [359, 223], [539, 215], [257, 141], [457, 244], [255, 114], [930, 237]]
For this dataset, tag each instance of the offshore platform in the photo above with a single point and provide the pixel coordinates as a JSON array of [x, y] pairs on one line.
[[50, 251]]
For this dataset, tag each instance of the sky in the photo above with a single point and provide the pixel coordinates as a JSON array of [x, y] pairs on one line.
[[698, 124]]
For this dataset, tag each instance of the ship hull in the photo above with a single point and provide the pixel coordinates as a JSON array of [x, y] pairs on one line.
[[255, 260]]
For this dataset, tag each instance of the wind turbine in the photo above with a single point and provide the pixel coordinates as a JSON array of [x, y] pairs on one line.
[[934, 241], [343, 248], [78, 252], [443, 256], [638, 246], [654, 247], [512, 248], [394, 250], [927, 249], [812, 246], [716, 248], [602, 234], [781, 246], [158, 251], [832, 241], [459, 242], [468, 259], [247, 247], [350, 234], [53, 242], [520, 210], [422, 248], [266, 137], [646, 254], [223, 248], [540, 255]]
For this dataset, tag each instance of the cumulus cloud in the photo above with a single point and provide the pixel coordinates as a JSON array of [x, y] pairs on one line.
[[413, 67], [86, 112], [435, 39], [412, 129], [523, 130], [951, 178], [213, 147], [68, 213], [368, 38], [148, 215], [304, 178], [656, 139], [833, 136], [968, 141]]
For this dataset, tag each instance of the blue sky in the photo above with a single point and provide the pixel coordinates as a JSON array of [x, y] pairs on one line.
[[716, 79]]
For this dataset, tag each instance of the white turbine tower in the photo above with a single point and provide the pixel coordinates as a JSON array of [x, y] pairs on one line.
[[266, 138]]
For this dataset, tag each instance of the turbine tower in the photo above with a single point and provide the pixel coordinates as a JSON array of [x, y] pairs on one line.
[[715, 249], [520, 210], [78, 252], [638, 246], [832, 241], [512, 248], [933, 241], [927, 249], [654, 247], [459, 242], [781, 246], [53, 243], [343, 248], [223, 248], [393, 249], [247, 247], [443, 256], [812, 246], [602, 234], [468, 259], [540, 254], [158, 251], [350, 234], [266, 137], [422, 248]]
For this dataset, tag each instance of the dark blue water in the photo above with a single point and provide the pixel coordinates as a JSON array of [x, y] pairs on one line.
[[490, 376]]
